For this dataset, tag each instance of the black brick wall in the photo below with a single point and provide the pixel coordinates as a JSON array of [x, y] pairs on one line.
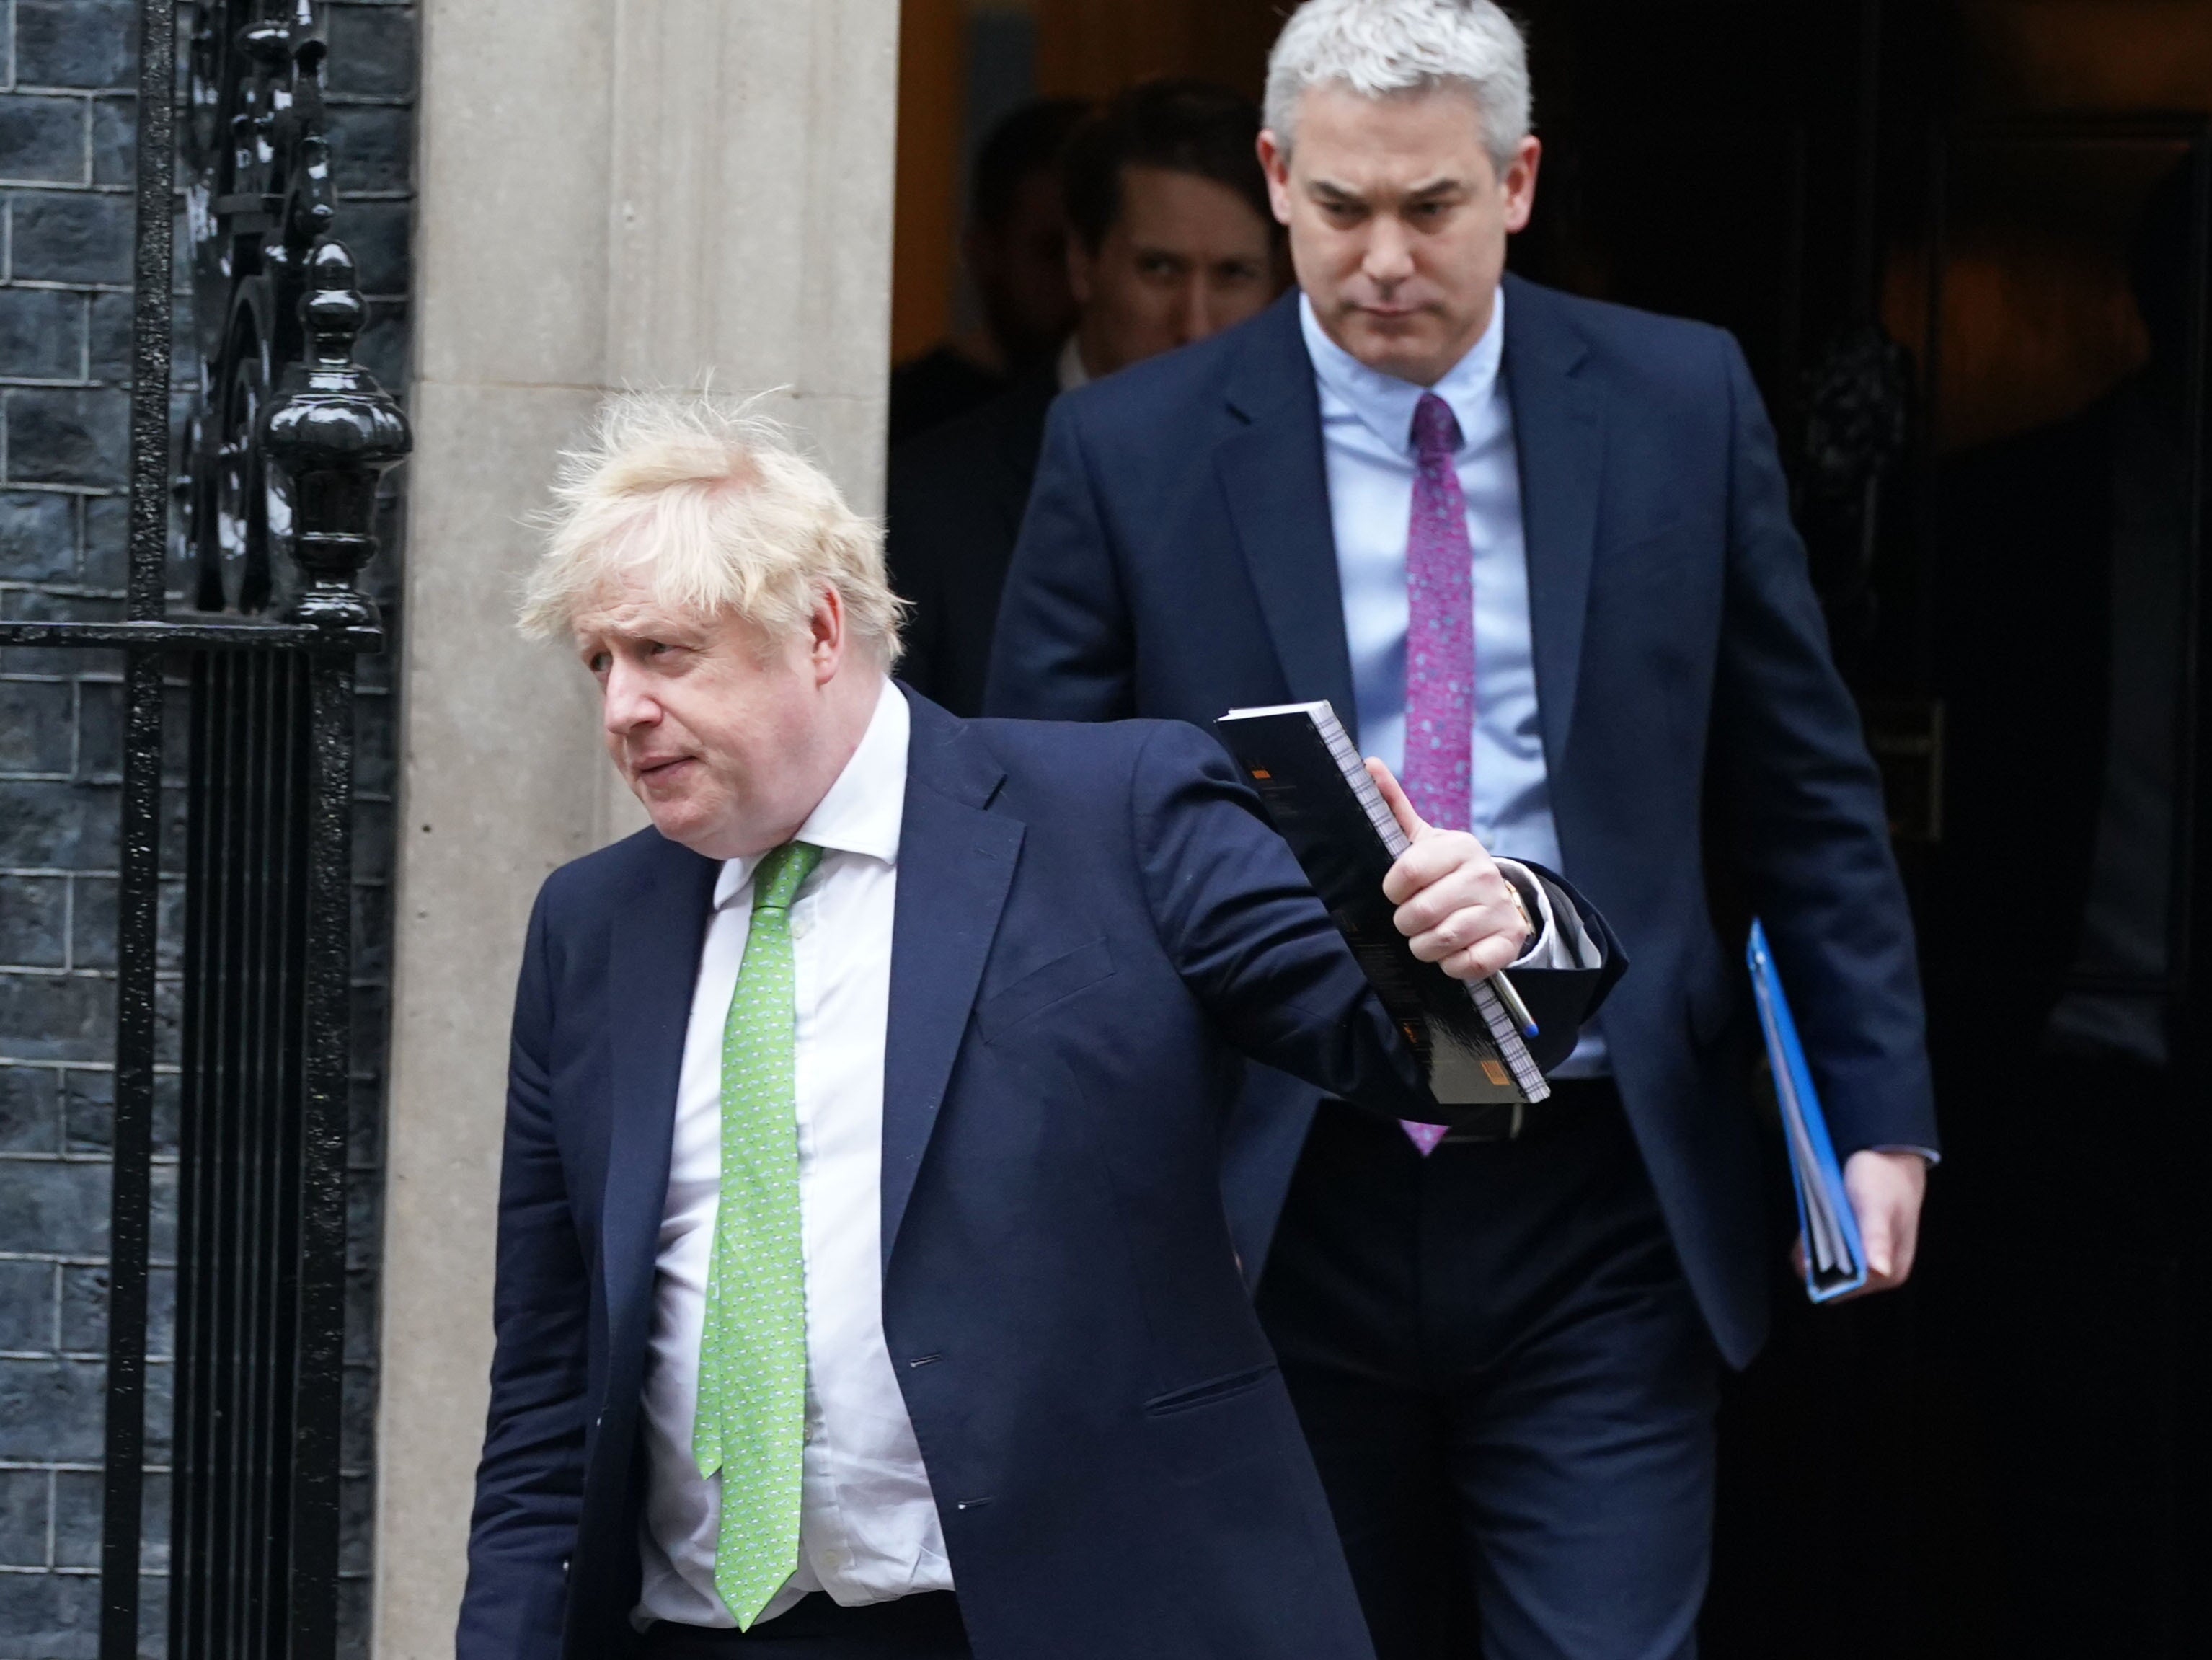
[[66, 162]]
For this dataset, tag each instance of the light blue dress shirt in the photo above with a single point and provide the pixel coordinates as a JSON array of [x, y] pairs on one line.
[[1367, 446]]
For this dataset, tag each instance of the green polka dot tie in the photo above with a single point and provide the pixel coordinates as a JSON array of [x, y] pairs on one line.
[[752, 1423]]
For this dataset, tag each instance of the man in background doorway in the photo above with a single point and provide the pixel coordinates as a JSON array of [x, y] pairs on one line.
[[1015, 249], [1170, 240], [1538, 549]]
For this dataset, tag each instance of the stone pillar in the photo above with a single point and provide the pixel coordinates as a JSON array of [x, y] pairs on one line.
[[610, 193]]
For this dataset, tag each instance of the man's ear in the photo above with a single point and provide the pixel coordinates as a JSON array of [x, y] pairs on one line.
[[1519, 183], [1275, 162], [825, 644]]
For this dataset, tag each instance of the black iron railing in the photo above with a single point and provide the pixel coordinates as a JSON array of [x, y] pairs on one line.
[[283, 450]]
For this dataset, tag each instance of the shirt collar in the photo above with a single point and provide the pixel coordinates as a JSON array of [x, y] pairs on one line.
[[864, 809], [1067, 368], [1383, 403]]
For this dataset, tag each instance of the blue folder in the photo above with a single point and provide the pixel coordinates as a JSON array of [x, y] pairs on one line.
[[1835, 1261]]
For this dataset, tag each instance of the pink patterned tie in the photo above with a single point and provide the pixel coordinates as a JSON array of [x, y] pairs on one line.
[[1439, 642]]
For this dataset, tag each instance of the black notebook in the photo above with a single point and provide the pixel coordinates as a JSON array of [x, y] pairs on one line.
[[1317, 791]]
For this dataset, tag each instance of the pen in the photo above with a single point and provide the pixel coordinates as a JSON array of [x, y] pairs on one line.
[[1514, 1005]]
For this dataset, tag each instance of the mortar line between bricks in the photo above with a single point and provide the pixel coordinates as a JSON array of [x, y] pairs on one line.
[[83, 286], [41, 90], [161, 1069], [60, 187], [69, 1466]]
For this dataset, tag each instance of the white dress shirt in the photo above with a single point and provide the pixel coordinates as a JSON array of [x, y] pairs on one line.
[[1367, 448], [868, 1529], [1067, 368]]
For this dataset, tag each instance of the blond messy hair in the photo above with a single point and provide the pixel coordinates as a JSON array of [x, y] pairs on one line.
[[719, 507]]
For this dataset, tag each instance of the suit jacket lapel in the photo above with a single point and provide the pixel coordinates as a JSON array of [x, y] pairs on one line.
[[1558, 429], [956, 863], [654, 960], [1276, 480]]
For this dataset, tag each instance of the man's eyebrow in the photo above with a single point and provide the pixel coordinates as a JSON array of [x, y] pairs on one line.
[[669, 629], [1427, 190]]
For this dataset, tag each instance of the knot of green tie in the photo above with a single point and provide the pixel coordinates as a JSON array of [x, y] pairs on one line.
[[782, 872]]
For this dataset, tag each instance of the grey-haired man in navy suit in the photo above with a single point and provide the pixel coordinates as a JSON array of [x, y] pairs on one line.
[[1542, 545]]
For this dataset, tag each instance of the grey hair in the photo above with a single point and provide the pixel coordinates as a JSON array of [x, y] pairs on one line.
[[717, 505], [1379, 47]]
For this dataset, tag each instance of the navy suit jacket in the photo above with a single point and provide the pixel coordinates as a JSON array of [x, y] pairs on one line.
[[1092, 925], [1177, 560]]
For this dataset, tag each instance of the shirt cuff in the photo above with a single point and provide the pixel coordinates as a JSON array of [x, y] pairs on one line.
[[1933, 1156], [1559, 941]]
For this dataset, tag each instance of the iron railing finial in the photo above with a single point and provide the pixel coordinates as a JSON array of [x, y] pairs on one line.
[[334, 430]]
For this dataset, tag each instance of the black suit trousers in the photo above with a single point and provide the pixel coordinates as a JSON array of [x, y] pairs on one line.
[[924, 1627], [1507, 1386]]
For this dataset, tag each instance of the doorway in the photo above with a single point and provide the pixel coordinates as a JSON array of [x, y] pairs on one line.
[[1964, 246]]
